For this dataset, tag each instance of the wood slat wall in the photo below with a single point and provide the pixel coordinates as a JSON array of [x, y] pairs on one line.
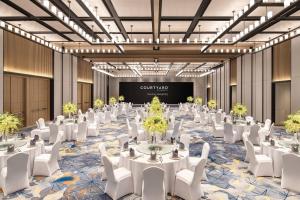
[[23, 56], [84, 96], [282, 62], [84, 71], [27, 97]]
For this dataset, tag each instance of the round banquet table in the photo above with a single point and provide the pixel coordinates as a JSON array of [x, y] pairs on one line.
[[276, 152], [141, 161], [24, 147]]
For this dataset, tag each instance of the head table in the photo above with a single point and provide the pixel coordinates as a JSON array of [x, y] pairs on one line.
[[141, 161]]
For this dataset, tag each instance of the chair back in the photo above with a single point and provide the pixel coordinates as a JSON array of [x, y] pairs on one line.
[[123, 138], [41, 122], [205, 151], [267, 125], [290, 172], [79, 112], [55, 152], [17, 166], [253, 136], [82, 128], [153, 184], [176, 129], [60, 137], [228, 131], [109, 170], [134, 131], [107, 117], [251, 152], [128, 123], [218, 117], [91, 117], [199, 172], [102, 149], [53, 132], [185, 139]]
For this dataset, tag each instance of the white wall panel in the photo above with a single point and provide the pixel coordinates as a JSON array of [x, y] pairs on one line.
[[57, 83], [267, 83], [247, 82], [74, 79], [1, 70], [239, 79], [257, 86]]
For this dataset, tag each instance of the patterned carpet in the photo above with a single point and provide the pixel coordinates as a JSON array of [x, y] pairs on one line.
[[79, 177]]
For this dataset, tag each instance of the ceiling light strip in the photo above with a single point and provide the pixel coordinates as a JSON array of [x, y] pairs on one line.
[[103, 71], [62, 17], [16, 30]]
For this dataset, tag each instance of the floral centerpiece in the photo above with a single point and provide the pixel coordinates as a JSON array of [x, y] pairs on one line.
[[198, 101], [155, 107], [292, 126], [112, 101], [69, 109], [212, 104], [239, 110], [190, 99], [121, 98], [98, 103], [156, 124], [9, 124]]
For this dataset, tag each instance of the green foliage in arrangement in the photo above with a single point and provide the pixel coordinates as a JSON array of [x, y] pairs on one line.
[[69, 108], [156, 124], [9, 123], [292, 124], [98, 103], [112, 100], [121, 98], [190, 99], [198, 101], [212, 104], [239, 110]]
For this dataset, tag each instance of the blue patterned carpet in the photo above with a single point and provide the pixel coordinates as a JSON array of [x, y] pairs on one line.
[[79, 177]]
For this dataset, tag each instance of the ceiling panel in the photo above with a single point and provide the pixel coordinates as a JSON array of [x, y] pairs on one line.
[[6, 10], [242, 25], [29, 25], [30, 7], [139, 37], [76, 8], [224, 7], [284, 26], [139, 8], [96, 28], [209, 25], [51, 37], [175, 26], [74, 37], [101, 9], [263, 37], [58, 26], [180, 7], [175, 36], [138, 26], [262, 11]]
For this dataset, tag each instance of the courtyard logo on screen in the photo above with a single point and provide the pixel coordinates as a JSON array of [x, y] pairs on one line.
[[153, 87]]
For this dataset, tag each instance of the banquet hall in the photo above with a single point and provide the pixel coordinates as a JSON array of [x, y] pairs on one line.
[[149, 99]]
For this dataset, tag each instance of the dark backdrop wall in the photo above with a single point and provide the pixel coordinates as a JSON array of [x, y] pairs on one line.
[[168, 92]]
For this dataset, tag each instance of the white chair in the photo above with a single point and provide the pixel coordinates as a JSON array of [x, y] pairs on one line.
[[290, 172], [188, 183], [266, 130], [81, 132], [186, 140], [59, 138], [123, 138], [91, 117], [193, 161], [218, 131], [46, 164], [253, 136], [54, 132], [14, 177], [218, 118], [92, 129], [203, 118], [129, 127], [60, 118], [79, 112], [175, 132], [230, 135], [153, 185], [197, 117], [139, 133], [115, 160], [42, 124], [260, 165], [257, 149], [119, 181]]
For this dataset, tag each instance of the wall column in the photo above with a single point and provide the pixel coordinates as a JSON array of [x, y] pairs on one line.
[[1, 70], [57, 76], [295, 74]]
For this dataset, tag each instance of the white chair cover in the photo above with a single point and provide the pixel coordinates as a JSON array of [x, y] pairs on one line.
[[290, 172], [153, 185], [230, 136]]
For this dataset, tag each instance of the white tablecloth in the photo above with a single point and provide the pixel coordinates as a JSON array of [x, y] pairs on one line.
[[138, 165], [276, 153], [42, 133], [33, 151]]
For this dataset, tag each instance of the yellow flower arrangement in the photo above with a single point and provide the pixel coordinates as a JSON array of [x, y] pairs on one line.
[[155, 100], [212, 104], [292, 124], [98, 103], [9, 124], [155, 107], [69, 108], [112, 101], [190, 99], [155, 124], [121, 98], [198, 101], [239, 110]]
